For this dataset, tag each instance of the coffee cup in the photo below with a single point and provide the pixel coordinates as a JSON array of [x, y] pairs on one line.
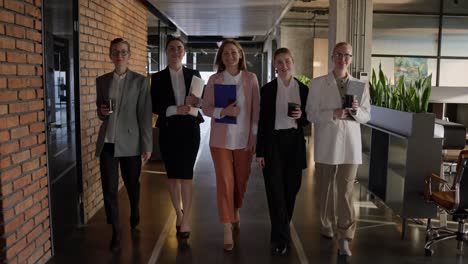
[[292, 107], [348, 100], [110, 104]]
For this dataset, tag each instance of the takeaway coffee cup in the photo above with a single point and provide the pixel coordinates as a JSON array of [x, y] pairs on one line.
[[348, 100], [292, 107], [110, 104]]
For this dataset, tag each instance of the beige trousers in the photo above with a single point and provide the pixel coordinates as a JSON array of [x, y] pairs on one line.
[[335, 185]]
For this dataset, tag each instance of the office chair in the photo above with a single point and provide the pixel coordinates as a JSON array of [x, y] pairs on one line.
[[452, 199]]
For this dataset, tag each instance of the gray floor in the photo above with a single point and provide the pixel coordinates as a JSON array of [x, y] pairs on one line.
[[378, 237]]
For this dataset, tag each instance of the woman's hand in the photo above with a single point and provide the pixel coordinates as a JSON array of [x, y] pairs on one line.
[[192, 100], [250, 148], [340, 113], [261, 162], [355, 107], [183, 109], [231, 110], [297, 113], [145, 156], [104, 110]]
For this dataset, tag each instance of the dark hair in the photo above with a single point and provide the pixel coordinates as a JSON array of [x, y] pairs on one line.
[[282, 51], [219, 56], [118, 41], [171, 38], [341, 44]]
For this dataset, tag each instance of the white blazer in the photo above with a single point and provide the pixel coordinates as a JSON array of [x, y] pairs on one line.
[[335, 141]]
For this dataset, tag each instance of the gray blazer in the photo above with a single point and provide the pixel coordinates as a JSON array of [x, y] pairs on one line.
[[133, 134]]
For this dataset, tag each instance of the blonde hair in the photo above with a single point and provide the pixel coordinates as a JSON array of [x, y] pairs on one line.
[[219, 56], [282, 51], [341, 44]]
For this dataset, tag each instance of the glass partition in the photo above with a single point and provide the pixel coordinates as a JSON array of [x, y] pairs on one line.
[[453, 72], [454, 36], [405, 34], [456, 7], [420, 6], [394, 67]]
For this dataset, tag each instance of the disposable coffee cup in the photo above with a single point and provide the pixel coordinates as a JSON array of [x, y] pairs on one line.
[[110, 104], [348, 100], [291, 108]]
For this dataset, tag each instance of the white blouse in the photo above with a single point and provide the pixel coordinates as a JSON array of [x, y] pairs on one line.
[[178, 86], [115, 93], [284, 95], [237, 134]]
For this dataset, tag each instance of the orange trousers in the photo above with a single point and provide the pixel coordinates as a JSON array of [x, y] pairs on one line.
[[232, 168]]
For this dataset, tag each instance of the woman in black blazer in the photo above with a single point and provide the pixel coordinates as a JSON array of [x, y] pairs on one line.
[[281, 150], [179, 132]]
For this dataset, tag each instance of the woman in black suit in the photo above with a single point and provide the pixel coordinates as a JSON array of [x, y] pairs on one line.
[[179, 132], [281, 150]]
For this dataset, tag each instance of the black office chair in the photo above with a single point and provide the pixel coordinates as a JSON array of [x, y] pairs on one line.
[[454, 200]]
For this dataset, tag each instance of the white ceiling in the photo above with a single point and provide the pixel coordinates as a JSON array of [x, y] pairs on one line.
[[228, 18]]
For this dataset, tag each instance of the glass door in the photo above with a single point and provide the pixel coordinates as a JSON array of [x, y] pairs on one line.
[[62, 116]]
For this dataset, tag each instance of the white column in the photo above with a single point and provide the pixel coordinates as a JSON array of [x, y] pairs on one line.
[[337, 25]]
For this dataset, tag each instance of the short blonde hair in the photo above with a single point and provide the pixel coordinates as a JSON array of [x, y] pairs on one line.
[[341, 44], [282, 51]]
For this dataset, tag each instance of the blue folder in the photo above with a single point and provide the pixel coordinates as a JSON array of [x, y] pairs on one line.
[[224, 95]]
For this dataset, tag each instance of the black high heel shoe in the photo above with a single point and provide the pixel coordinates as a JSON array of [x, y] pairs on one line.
[[184, 235]]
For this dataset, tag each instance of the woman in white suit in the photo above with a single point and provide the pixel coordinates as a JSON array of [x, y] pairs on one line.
[[337, 145]]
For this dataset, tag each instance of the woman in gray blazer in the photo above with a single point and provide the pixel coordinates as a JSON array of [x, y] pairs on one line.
[[125, 136]]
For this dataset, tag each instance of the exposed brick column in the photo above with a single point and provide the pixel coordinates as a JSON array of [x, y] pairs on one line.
[[24, 230], [100, 22]]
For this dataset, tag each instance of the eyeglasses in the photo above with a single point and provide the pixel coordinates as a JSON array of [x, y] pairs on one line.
[[116, 53], [340, 56], [175, 48]]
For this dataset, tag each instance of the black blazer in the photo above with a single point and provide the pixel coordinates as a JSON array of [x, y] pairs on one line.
[[162, 94], [266, 123]]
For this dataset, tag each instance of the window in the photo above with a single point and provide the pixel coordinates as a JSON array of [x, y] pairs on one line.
[[453, 72], [405, 34], [454, 36], [418, 6]]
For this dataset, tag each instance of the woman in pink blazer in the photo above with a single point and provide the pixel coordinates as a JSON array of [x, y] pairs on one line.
[[232, 145]]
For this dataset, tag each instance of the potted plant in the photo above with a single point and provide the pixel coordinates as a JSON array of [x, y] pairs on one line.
[[403, 149], [402, 106]]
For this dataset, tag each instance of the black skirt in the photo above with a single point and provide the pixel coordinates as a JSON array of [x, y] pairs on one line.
[[179, 140]]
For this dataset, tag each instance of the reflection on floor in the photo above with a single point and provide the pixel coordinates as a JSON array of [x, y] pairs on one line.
[[378, 237]]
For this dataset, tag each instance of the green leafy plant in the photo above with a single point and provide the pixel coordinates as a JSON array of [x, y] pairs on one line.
[[412, 97], [303, 79]]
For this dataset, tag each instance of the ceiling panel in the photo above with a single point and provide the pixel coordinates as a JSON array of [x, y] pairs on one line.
[[230, 18]]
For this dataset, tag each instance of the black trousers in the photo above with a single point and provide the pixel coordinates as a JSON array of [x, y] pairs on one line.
[[130, 168], [282, 183]]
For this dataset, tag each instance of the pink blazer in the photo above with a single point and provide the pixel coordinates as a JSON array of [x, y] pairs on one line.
[[252, 99]]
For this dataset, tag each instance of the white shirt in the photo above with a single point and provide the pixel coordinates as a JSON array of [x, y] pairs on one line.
[[178, 86], [115, 92], [237, 135], [284, 95]]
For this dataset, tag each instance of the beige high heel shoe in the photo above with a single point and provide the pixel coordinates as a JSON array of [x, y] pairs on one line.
[[228, 241]]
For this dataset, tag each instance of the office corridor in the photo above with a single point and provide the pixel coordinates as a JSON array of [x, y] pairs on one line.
[[378, 236]]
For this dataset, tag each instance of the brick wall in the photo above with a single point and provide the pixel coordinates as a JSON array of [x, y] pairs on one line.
[[100, 22], [24, 223]]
